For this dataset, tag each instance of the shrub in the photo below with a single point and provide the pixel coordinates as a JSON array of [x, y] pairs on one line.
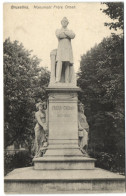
[[16, 160], [111, 162]]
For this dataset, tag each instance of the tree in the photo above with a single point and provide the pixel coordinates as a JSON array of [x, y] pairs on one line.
[[101, 78], [24, 84], [115, 10]]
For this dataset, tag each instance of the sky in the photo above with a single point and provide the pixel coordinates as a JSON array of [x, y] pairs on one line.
[[35, 28]]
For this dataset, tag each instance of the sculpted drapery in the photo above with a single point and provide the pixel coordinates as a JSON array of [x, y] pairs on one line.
[[64, 51]]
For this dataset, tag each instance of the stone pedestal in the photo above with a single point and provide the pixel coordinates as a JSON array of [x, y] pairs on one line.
[[63, 122]]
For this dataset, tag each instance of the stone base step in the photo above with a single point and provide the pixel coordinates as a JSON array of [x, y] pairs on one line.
[[63, 146], [28, 180], [63, 152], [63, 141], [59, 163]]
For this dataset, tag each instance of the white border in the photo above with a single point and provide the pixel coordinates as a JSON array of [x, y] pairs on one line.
[[1, 81]]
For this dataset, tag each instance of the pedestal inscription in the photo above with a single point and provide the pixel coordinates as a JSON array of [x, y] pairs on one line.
[[63, 123]]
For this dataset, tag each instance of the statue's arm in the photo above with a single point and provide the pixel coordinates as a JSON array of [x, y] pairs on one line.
[[60, 34], [86, 124], [87, 128], [70, 34], [79, 125], [39, 120]]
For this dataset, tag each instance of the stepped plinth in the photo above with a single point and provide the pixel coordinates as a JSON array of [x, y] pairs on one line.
[[30, 180], [64, 163]]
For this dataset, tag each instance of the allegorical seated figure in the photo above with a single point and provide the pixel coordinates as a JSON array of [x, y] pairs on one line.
[[40, 128], [62, 58], [83, 129]]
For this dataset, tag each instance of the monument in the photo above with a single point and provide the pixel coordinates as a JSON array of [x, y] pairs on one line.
[[63, 168], [63, 98]]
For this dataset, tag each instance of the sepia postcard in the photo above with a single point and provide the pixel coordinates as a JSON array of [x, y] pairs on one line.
[[64, 118]]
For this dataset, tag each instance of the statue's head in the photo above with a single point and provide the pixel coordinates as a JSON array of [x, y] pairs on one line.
[[41, 106], [64, 22], [80, 107], [44, 105]]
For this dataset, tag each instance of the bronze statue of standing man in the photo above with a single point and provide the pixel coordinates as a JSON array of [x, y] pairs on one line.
[[64, 55]]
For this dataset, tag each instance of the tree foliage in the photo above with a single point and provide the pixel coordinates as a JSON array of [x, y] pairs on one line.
[[115, 10], [24, 84], [101, 78]]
